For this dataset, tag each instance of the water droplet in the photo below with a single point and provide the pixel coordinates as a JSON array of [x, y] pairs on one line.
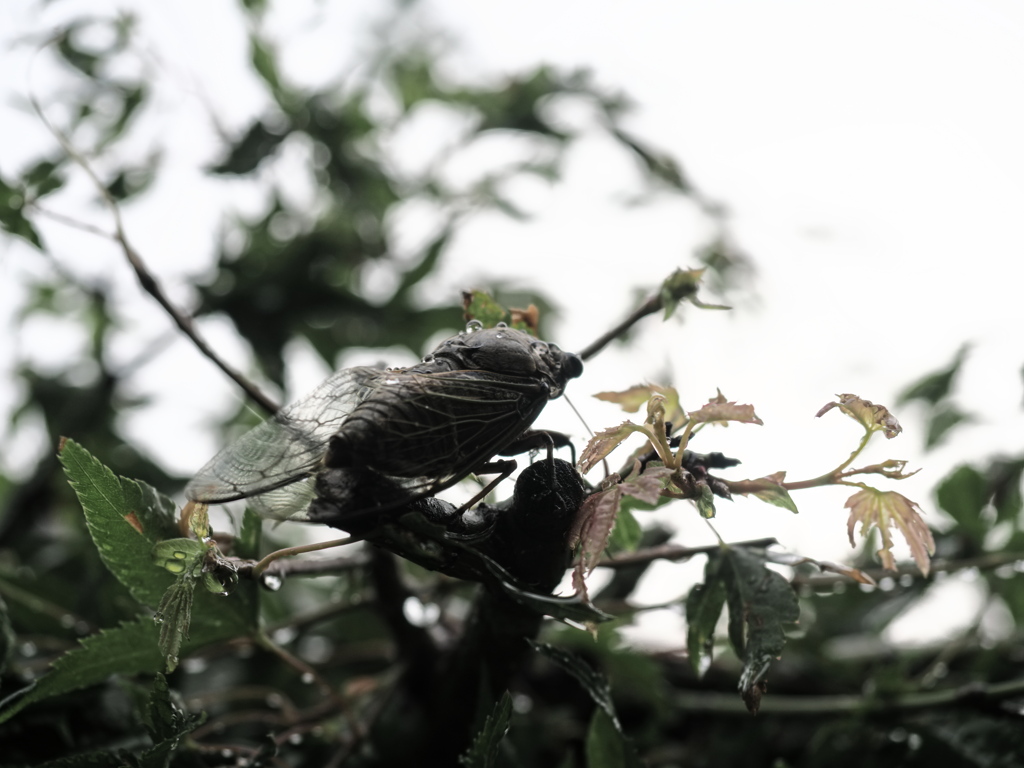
[[474, 325], [174, 566], [502, 324], [158, 619], [391, 380], [179, 555], [271, 581], [194, 665], [307, 677], [172, 661], [285, 635], [499, 335]]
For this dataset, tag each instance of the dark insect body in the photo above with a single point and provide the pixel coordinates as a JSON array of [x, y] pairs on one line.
[[423, 428]]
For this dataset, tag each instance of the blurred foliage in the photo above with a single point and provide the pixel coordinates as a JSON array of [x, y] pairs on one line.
[[310, 674]]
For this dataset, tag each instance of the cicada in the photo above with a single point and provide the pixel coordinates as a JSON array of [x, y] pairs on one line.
[[418, 429]]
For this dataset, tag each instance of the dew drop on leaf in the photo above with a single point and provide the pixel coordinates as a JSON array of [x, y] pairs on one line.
[[271, 581]]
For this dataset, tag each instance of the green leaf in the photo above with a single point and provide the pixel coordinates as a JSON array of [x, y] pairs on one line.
[[6, 635], [128, 649], [944, 417], [703, 607], [626, 534], [483, 752], [592, 681], [174, 616], [1004, 482], [777, 496], [12, 216], [963, 495], [760, 603], [258, 143], [163, 720], [706, 502], [265, 64], [606, 746], [479, 305], [935, 386], [123, 524], [563, 608], [247, 545]]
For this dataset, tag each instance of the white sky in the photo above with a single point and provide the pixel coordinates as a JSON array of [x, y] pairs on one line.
[[870, 154]]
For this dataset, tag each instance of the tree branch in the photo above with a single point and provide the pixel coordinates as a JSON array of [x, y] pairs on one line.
[[675, 552], [649, 307], [146, 279], [842, 704]]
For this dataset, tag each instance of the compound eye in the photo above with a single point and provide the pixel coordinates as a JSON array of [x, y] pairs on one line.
[[573, 366]]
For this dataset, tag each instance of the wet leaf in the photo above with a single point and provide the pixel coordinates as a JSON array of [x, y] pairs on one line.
[[480, 306], [761, 603], [591, 680], [174, 616], [703, 608], [872, 417], [596, 518], [604, 442], [130, 648], [606, 745], [483, 752], [111, 504], [883, 509]]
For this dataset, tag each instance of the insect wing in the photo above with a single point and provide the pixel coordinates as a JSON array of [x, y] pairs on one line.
[[465, 418], [286, 448]]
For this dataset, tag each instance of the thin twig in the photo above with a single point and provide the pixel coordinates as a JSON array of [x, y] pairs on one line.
[[982, 562], [145, 277], [649, 307], [825, 706], [675, 552]]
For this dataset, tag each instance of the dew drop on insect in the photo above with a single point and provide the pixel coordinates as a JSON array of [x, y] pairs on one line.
[[271, 581], [474, 325]]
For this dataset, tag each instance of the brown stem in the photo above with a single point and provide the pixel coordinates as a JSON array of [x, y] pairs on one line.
[[649, 307], [675, 552]]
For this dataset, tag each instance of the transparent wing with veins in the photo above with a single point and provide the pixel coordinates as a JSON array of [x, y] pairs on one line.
[[286, 448]]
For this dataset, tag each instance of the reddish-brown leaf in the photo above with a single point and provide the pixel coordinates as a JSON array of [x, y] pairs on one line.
[[873, 417], [882, 510], [719, 408]]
